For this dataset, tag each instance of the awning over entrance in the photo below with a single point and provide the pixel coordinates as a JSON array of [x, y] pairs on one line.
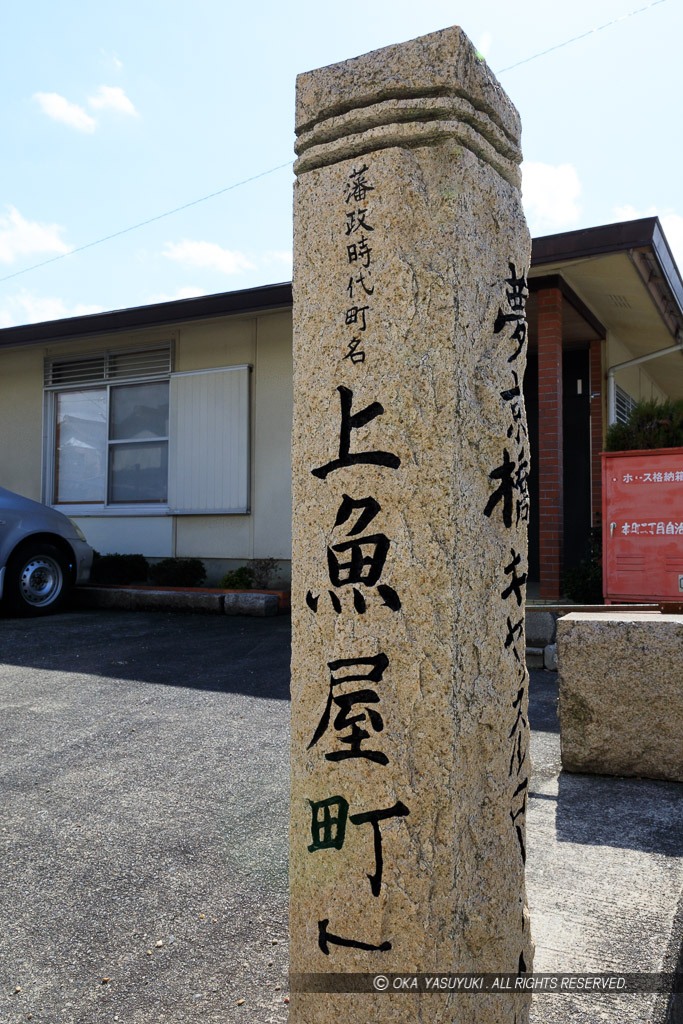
[[600, 300]]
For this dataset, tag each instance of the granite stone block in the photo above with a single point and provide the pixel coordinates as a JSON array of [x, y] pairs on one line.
[[621, 693], [410, 762]]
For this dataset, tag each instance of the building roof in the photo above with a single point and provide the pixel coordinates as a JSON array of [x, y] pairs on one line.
[[589, 243], [248, 300], [625, 281], [616, 277]]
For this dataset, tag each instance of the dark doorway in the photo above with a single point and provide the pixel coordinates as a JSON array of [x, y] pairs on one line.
[[577, 459], [576, 478], [531, 403]]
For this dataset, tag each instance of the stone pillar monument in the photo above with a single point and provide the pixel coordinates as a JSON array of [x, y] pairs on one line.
[[410, 743]]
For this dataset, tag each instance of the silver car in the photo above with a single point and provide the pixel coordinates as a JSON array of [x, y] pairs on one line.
[[42, 555]]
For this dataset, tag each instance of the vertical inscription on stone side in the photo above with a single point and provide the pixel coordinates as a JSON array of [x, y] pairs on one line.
[[353, 711], [512, 493]]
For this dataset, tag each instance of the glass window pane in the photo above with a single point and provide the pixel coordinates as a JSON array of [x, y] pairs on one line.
[[81, 446], [138, 472], [139, 411]]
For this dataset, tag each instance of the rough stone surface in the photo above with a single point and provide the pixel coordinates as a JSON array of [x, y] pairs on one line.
[[540, 628], [250, 604], [406, 350], [621, 698]]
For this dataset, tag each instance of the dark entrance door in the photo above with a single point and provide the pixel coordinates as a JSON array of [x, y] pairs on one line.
[[531, 402], [576, 457]]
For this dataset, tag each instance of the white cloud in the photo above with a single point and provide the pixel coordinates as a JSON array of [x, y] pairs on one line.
[[106, 97], [550, 196], [672, 224], [27, 308], [280, 257], [112, 97], [21, 237], [208, 255], [629, 213], [60, 109], [188, 292]]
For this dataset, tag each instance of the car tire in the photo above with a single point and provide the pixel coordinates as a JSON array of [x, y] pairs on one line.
[[37, 579]]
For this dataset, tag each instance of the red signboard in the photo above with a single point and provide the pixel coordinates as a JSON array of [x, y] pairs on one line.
[[642, 525]]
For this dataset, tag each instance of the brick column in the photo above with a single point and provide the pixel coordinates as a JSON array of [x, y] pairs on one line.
[[550, 455], [596, 407]]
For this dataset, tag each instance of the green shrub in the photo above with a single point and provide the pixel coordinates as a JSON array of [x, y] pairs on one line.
[[650, 425], [178, 572], [119, 569], [583, 583], [237, 579]]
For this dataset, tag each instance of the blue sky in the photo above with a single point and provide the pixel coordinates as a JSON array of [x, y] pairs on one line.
[[116, 113]]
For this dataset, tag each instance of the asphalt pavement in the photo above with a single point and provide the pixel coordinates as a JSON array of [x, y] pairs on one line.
[[143, 842], [144, 783]]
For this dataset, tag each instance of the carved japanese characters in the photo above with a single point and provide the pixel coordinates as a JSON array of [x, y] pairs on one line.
[[410, 756]]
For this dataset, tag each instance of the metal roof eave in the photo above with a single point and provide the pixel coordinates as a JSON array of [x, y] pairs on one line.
[[249, 300], [623, 236], [565, 247]]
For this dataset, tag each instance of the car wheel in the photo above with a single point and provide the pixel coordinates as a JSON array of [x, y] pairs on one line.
[[37, 580]]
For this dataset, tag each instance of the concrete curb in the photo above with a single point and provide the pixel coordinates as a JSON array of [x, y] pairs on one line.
[[250, 604], [206, 602]]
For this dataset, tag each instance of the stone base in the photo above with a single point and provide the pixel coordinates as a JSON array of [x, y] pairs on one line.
[[534, 657], [250, 604], [216, 602], [621, 699], [550, 658], [542, 657], [540, 628], [147, 599]]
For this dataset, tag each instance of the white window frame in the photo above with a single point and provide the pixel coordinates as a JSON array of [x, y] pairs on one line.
[[624, 404], [50, 436], [143, 508]]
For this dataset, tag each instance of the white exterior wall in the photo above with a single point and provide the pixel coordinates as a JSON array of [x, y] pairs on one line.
[[21, 420], [129, 535], [262, 342], [634, 379], [272, 469]]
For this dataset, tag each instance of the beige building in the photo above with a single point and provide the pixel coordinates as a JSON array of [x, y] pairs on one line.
[[165, 430]]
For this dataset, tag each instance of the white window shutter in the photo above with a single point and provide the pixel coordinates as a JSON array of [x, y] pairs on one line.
[[209, 441]]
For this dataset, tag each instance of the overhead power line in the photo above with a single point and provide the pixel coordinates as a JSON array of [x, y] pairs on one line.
[[144, 223], [262, 174], [575, 39]]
